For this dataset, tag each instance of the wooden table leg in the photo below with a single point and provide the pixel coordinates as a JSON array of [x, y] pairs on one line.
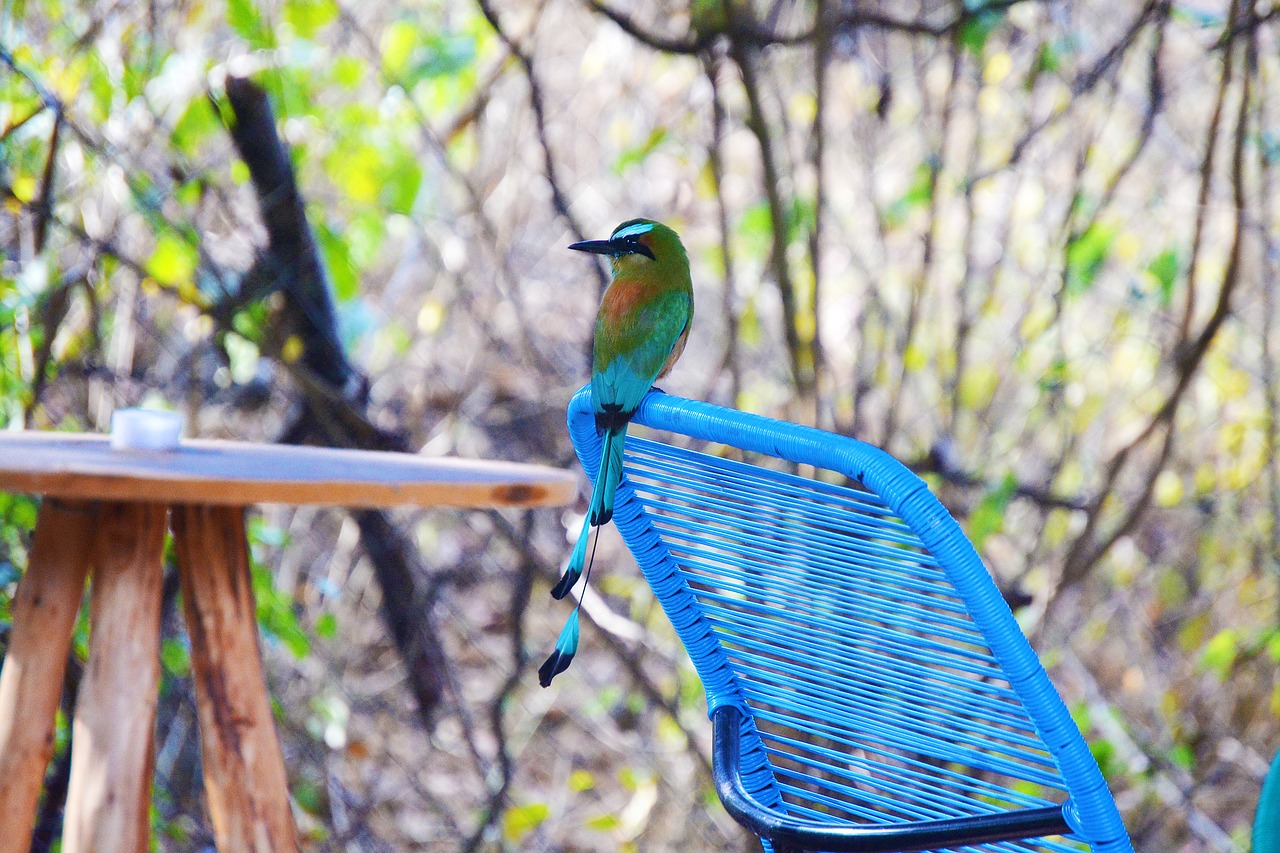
[[44, 612], [113, 736], [244, 774]]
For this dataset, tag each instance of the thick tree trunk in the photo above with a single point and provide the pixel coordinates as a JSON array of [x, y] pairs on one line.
[[333, 391], [291, 262]]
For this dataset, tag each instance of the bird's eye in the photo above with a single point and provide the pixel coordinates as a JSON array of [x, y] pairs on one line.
[[639, 248]]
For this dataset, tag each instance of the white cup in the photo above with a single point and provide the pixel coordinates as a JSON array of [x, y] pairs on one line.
[[145, 429]]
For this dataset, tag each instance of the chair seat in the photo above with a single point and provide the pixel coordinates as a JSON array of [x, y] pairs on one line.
[[869, 686]]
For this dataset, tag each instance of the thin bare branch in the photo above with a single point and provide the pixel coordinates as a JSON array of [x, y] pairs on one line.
[[849, 18], [537, 102], [801, 355], [1089, 547]]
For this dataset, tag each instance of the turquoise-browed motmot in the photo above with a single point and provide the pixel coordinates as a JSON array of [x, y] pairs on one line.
[[640, 332]]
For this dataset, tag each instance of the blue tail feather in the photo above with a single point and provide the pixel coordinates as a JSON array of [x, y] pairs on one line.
[[566, 648], [577, 560], [610, 473], [599, 512]]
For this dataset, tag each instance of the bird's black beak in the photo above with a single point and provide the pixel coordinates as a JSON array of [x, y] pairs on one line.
[[597, 247], [614, 248]]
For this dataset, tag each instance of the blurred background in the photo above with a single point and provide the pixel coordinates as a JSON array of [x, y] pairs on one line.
[[1030, 248]]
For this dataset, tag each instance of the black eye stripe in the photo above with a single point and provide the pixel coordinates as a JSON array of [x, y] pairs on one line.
[[634, 246]]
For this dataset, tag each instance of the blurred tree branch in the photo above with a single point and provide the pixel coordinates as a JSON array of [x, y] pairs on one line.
[[626, 650], [517, 607], [1172, 782], [329, 383], [801, 354], [559, 200], [823, 52], [1090, 546], [728, 293], [934, 163], [1103, 68], [849, 17], [1266, 229], [437, 141], [291, 261], [940, 460]]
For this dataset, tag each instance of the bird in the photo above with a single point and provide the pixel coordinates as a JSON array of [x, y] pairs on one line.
[[641, 330]]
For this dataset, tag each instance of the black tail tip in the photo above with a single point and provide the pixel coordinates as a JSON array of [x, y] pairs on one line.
[[556, 664], [603, 517], [561, 589]]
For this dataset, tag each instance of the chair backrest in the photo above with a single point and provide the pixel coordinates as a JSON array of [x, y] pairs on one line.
[[870, 687]]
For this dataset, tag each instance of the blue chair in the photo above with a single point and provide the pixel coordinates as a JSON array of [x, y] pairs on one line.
[[868, 687]]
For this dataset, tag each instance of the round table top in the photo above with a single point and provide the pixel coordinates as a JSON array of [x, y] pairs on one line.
[[234, 473]]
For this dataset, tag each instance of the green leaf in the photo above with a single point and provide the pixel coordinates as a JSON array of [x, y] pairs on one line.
[[708, 16], [1055, 376], [357, 168], [175, 658], [276, 617], [275, 607], [19, 512], [398, 41], [755, 227], [80, 635], [1049, 57], [637, 154], [801, 218], [919, 193], [195, 125], [1182, 755], [749, 325], [327, 626], [365, 234], [189, 193], [1105, 754], [1203, 18], [401, 180], [134, 79], [309, 796], [242, 356], [987, 517], [348, 72], [980, 22], [1164, 272], [606, 822], [519, 821], [339, 263], [292, 90], [101, 88], [442, 56], [307, 17], [1219, 654], [246, 20], [1086, 255], [173, 261]]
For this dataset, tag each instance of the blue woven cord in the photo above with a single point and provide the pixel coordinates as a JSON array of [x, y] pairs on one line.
[[887, 679]]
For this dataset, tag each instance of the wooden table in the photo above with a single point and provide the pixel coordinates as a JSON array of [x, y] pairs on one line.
[[105, 514]]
